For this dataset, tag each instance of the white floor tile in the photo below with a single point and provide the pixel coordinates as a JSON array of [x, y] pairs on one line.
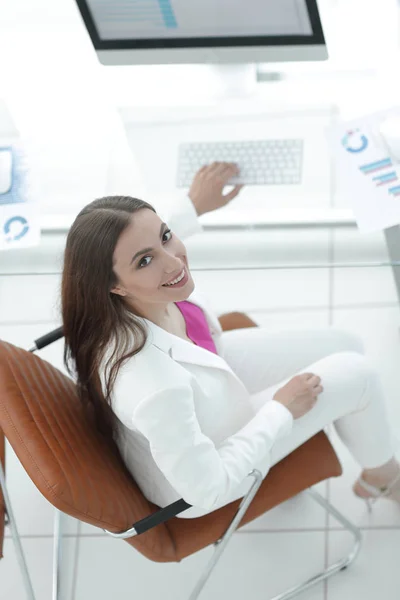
[[364, 285], [292, 319], [374, 574], [351, 245], [298, 513], [29, 298], [38, 553], [379, 328], [260, 290], [385, 513], [264, 564], [367, 285], [33, 513], [46, 258], [90, 530], [250, 247]]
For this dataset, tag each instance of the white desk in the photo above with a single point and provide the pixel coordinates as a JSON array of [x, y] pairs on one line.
[[345, 96]]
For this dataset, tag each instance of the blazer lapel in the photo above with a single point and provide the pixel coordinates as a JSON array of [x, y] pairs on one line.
[[186, 352]]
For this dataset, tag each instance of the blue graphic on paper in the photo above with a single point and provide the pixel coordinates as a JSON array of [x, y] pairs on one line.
[[354, 141], [23, 228], [18, 191]]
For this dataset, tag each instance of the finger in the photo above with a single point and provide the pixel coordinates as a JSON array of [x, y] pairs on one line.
[[224, 176], [202, 169], [233, 193], [314, 380], [225, 170], [307, 375], [230, 168], [317, 390], [214, 167]]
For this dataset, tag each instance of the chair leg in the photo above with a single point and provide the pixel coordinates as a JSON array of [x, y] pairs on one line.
[[294, 591], [222, 543], [57, 555], [16, 539]]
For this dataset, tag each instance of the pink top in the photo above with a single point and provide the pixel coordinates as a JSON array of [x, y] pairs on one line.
[[196, 325]]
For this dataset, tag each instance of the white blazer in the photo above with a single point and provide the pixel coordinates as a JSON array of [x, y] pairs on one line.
[[187, 427]]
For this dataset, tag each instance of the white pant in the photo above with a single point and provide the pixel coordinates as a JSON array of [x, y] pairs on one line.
[[352, 398]]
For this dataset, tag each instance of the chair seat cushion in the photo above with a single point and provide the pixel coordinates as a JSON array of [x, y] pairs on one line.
[[312, 462], [67, 460]]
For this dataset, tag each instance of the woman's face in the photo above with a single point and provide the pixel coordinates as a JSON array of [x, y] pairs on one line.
[[148, 257]]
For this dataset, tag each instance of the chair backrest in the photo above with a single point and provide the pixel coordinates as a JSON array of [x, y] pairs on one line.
[[67, 460], [42, 418]]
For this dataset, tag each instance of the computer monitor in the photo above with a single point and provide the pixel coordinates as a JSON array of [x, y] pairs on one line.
[[132, 32]]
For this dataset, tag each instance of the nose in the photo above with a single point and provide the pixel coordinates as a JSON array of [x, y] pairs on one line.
[[172, 263]]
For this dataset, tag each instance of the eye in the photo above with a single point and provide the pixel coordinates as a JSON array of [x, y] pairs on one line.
[[141, 264], [167, 232]]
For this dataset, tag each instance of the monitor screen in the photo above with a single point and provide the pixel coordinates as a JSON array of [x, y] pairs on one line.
[[177, 24]]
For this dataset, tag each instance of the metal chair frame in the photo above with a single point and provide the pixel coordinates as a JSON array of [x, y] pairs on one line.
[[163, 515]]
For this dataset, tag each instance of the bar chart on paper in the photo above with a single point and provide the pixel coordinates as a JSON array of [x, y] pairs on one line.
[[369, 176], [388, 175], [381, 172]]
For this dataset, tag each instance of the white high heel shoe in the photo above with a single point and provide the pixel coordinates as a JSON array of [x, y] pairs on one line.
[[376, 492]]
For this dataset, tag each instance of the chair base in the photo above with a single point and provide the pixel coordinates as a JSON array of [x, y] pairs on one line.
[[219, 546], [341, 565], [298, 589]]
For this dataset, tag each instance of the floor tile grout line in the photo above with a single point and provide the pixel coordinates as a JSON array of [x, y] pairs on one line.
[[291, 309], [326, 540], [328, 497], [321, 529], [258, 531], [76, 563], [330, 324], [380, 528]]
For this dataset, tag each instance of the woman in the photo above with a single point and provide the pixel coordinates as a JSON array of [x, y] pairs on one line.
[[193, 409]]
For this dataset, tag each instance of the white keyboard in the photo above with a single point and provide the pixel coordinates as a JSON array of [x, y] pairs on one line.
[[261, 162]]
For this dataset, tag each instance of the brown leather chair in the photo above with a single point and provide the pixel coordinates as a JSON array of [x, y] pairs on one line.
[[62, 453]]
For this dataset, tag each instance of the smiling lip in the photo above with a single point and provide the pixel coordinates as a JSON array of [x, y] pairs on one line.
[[182, 282]]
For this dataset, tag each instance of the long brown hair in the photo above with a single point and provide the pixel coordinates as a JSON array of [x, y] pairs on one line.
[[98, 325]]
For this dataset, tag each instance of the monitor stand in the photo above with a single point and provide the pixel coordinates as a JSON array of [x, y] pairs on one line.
[[234, 80]]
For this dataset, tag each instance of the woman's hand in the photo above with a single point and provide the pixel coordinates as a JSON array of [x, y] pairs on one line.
[[208, 184], [300, 394]]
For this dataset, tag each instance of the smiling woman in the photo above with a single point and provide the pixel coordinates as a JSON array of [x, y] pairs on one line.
[[192, 409]]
